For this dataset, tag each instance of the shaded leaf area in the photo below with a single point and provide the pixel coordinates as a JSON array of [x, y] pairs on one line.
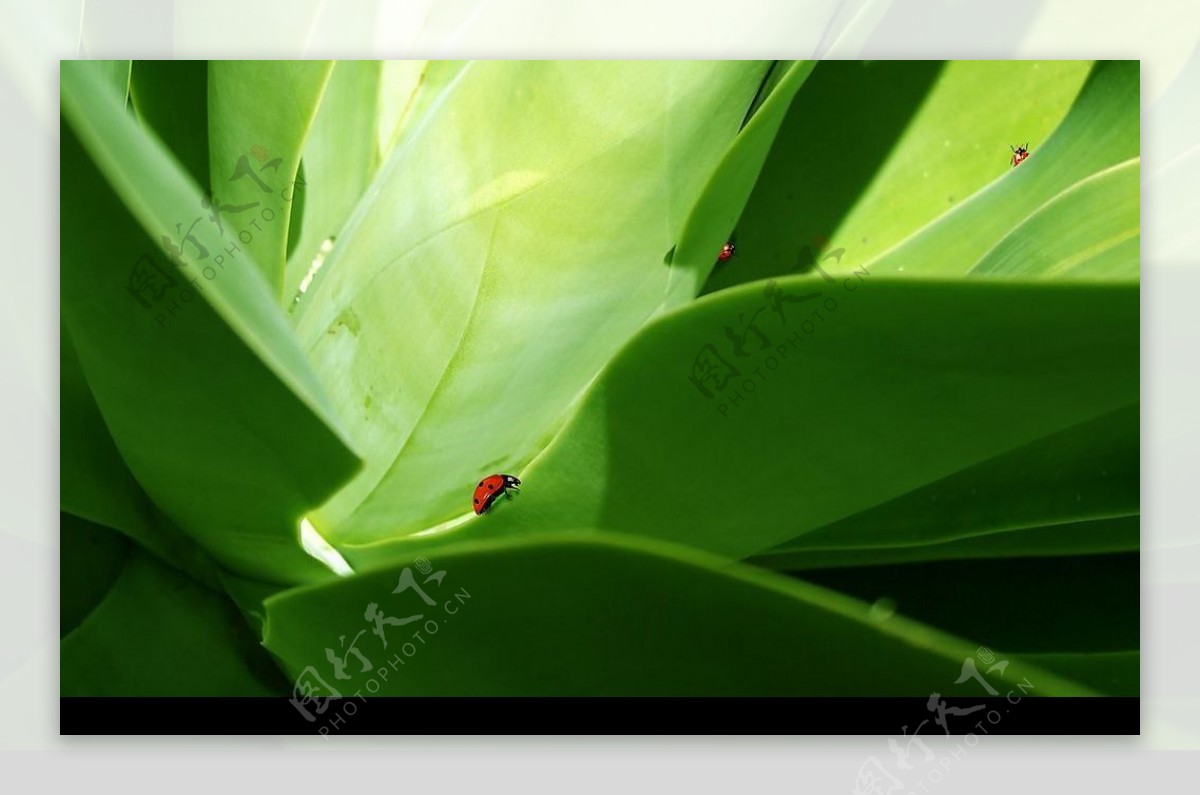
[[1081, 603], [825, 421], [1075, 491], [171, 98], [158, 633], [91, 559], [1077, 616], [603, 615], [870, 152], [259, 115], [95, 483], [170, 355], [1088, 536], [491, 270], [1114, 673]]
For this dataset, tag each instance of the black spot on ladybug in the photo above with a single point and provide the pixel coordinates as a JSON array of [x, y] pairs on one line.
[[481, 483], [476, 502], [491, 486]]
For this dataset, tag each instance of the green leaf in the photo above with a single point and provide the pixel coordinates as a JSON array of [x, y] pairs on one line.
[[158, 633], [90, 561], [171, 98], [259, 114], [1085, 537], [1100, 132], [724, 197], [878, 400], [97, 485], [596, 615], [1074, 491], [1091, 230], [171, 379], [872, 151], [459, 268], [407, 90], [340, 159], [492, 269], [116, 74]]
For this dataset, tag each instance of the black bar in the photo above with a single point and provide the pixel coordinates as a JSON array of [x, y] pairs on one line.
[[1104, 715]]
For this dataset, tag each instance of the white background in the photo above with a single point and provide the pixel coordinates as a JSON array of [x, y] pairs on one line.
[[34, 35]]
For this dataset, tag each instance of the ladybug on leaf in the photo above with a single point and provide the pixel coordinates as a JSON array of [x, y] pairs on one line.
[[490, 489]]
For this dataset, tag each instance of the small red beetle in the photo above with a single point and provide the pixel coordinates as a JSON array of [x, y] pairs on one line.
[[727, 251], [490, 489], [1019, 154]]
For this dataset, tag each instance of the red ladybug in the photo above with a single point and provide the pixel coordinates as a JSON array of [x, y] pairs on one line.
[[727, 251], [490, 489], [1019, 154]]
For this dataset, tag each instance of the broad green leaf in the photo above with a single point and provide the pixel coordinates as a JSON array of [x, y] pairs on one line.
[[407, 90], [90, 560], [1090, 230], [1100, 132], [97, 485], [158, 633], [597, 615], [117, 75], [898, 386], [872, 151], [493, 268], [1047, 490], [171, 377], [259, 114], [1084, 537], [171, 98], [400, 82], [724, 197], [340, 159], [959, 141]]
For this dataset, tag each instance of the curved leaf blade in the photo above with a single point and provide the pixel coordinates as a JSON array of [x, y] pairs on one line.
[[259, 114], [235, 475], [834, 422], [1091, 230], [463, 250], [157, 633], [597, 615]]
